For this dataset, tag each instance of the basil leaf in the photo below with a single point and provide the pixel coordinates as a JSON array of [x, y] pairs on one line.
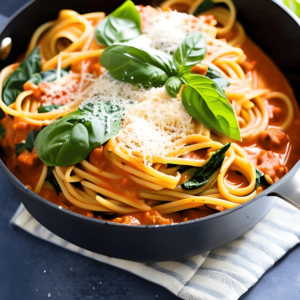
[[121, 25], [48, 108], [203, 174], [29, 143], [135, 66], [206, 102], [49, 76], [173, 85], [204, 6], [52, 180], [71, 139], [190, 52], [216, 77], [14, 83]]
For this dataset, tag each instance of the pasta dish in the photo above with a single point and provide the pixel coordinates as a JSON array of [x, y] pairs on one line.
[[147, 115]]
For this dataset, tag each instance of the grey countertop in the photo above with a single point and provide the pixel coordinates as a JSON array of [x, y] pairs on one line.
[[34, 269]]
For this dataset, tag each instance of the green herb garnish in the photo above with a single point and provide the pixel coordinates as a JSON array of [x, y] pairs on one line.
[[14, 83], [71, 139], [200, 176], [121, 25], [203, 98]]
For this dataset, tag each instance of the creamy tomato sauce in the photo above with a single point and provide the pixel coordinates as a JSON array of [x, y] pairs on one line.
[[273, 151]]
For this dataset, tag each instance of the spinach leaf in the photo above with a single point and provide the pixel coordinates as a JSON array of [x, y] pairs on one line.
[[203, 174], [204, 6], [190, 52], [216, 77], [173, 85], [49, 76], [72, 138], [14, 83], [135, 66], [121, 25], [52, 180], [48, 108], [206, 102], [29, 143]]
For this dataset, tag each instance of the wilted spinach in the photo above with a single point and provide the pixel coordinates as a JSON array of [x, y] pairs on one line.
[[201, 175]]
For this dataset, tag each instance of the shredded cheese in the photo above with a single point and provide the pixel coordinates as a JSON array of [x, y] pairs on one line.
[[152, 121], [166, 30]]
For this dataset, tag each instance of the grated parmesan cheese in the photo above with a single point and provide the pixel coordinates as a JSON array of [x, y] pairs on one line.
[[152, 126], [166, 30], [153, 120]]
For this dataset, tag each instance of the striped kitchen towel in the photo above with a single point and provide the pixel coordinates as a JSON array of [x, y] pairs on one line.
[[224, 273]]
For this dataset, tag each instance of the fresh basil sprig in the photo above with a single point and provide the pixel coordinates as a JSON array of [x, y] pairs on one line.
[[14, 83], [206, 102], [173, 86], [121, 25], [201, 175], [189, 53], [71, 139], [28, 144], [135, 66], [203, 98]]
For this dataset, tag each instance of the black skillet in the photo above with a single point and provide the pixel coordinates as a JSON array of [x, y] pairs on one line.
[[278, 34]]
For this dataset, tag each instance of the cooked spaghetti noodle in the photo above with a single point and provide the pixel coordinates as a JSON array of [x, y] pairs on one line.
[[137, 176]]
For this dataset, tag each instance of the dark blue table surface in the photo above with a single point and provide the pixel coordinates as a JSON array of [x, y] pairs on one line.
[[34, 269]]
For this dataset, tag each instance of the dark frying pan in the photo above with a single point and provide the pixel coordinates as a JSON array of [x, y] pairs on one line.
[[278, 34]]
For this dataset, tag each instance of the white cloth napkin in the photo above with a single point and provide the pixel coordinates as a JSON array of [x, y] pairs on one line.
[[224, 273]]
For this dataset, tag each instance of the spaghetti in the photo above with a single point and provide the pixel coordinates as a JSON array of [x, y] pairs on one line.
[[139, 175]]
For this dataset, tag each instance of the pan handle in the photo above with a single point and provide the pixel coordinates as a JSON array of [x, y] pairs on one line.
[[288, 187]]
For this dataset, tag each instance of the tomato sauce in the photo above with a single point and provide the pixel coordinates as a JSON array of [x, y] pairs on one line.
[[273, 151]]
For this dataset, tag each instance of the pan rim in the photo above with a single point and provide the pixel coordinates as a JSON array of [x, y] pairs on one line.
[[69, 213]]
